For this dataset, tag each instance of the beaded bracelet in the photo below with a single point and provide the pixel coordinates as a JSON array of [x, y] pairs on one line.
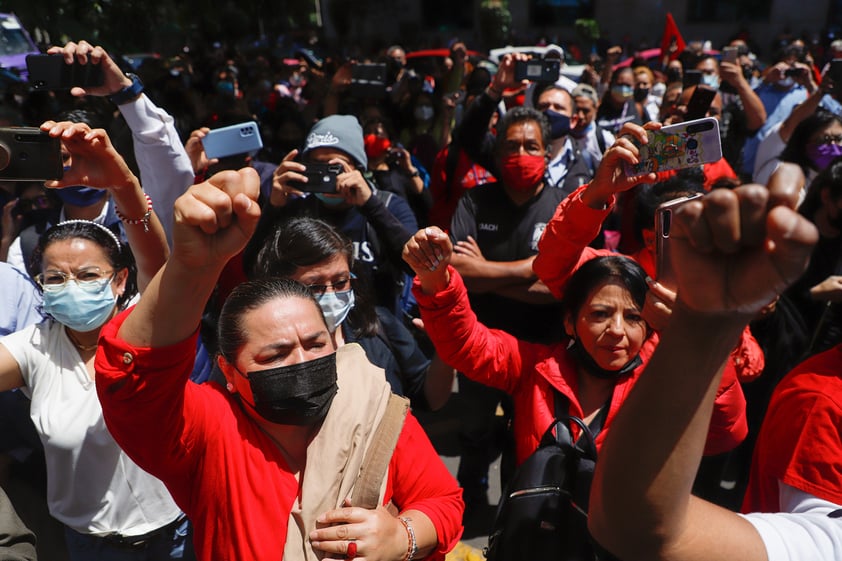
[[147, 216], [412, 547]]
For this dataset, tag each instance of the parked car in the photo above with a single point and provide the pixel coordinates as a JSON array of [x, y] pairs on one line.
[[15, 45]]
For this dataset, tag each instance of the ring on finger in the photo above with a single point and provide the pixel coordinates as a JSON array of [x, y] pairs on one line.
[[351, 551]]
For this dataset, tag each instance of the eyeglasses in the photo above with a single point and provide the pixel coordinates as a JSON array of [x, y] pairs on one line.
[[829, 139], [318, 290], [90, 279]]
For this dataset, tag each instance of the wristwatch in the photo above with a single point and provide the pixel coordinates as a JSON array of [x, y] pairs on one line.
[[129, 93]]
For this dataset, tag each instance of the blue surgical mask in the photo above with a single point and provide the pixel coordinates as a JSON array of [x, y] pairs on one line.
[[559, 124], [81, 196], [335, 307], [82, 306], [623, 91], [711, 81]]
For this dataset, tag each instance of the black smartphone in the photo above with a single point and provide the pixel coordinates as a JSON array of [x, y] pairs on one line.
[[50, 72], [835, 72], [793, 72], [368, 80], [692, 78], [537, 70], [321, 178], [29, 154], [699, 103]]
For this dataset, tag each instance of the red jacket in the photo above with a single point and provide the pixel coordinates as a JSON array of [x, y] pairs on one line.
[[800, 442], [563, 248], [224, 472], [530, 371]]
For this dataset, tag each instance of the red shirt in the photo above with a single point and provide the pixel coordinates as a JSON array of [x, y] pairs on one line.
[[800, 442], [222, 470]]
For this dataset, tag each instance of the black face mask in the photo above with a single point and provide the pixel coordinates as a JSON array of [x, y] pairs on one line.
[[591, 367], [298, 394], [640, 94]]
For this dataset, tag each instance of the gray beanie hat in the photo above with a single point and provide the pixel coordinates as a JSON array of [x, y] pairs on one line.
[[342, 132]]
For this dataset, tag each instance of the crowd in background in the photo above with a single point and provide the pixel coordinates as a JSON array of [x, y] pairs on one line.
[[516, 183]]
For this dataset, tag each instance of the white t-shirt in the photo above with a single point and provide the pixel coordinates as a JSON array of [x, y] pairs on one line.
[[92, 486], [804, 533]]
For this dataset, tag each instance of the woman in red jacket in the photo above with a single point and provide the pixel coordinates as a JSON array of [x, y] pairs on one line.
[[609, 345], [269, 465]]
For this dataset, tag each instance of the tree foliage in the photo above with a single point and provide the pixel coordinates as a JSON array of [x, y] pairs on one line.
[[161, 25]]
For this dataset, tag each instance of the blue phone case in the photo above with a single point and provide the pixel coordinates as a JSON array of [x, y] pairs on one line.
[[235, 139]]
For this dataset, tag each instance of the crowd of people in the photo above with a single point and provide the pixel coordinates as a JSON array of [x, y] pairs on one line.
[[240, 351]]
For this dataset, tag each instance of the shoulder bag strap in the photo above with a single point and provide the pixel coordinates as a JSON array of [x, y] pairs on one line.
[[367, 488]]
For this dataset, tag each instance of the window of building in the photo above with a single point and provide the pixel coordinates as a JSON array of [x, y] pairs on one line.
[[544, 13], [728, 10]]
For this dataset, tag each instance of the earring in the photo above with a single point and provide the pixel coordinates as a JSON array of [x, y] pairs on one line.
[[230, 387]]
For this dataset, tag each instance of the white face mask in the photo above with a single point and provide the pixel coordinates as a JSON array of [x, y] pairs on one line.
[[787, 82], [335, 307]]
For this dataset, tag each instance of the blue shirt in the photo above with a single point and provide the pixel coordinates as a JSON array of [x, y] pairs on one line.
[[20, 302]]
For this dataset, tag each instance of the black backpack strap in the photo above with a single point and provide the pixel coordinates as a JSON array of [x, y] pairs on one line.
[[600, 138]]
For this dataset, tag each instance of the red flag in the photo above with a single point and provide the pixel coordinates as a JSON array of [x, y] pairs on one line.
[[671, 37]]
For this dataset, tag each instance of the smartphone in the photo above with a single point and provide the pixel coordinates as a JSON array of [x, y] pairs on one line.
[[235, 139], [679, 146], [368, 80], [321, 178], [29, 154], [537, 70], [729, 54], [699, 103], [692, 78], [665, 272], [50, 72], [835, 71], [793, 72]]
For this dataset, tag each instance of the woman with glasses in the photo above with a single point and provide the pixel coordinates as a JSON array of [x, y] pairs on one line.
[[312, 252], [111, 508]]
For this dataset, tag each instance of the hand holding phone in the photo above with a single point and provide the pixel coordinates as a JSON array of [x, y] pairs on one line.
[[537, 70], [665, 273], [242, 138], [29, 154], [321, 178], [678, 146], [51, 72]]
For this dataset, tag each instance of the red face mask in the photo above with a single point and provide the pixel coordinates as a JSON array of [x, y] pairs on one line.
[[523, 172], [376, 146]]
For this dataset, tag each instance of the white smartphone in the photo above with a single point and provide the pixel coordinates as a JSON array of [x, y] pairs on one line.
[[679, 146], [235, 139]]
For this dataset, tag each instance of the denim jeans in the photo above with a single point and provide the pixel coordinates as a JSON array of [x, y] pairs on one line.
[[174, 544]]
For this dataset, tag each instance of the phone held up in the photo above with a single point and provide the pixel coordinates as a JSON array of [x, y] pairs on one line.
[[321, 178], [50, 72], [538, 70], [29, 154], [679, 146], [242, 138], [665, 272], [699, 103]]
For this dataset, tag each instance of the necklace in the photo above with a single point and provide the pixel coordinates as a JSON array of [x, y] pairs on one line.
[[79, 345]]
